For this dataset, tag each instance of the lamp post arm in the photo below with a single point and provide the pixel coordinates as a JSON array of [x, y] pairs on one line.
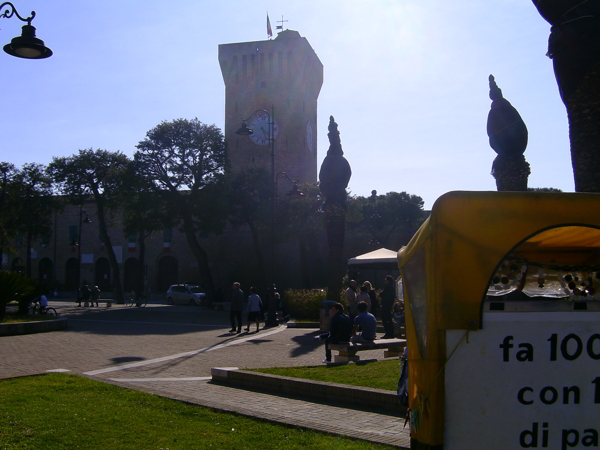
[[9, 13]]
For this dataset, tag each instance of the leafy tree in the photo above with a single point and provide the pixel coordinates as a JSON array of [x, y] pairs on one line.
[[144, 214], [249, 195], [35, 205], [96, 173], [8, 196], [544, 189], [301, 218], [390, 219], [186, 160]]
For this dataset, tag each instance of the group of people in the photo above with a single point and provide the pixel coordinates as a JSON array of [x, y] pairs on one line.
[[386, 305], [88, 295], [360, 325], [255, 306]]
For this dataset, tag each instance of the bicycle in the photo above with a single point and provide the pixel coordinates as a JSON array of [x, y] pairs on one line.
[[36, 308], [130, 300]]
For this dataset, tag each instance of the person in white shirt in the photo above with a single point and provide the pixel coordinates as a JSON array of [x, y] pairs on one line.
[[254, 305]]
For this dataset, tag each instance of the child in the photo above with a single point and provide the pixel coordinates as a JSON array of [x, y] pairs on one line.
[[398, 313]]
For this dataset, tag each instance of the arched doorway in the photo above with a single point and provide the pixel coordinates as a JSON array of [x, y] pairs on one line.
[[132, 274], [103, 274], [72, 274], [168, 270], [45, 273]]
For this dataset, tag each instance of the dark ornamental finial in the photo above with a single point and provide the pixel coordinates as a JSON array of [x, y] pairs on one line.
[[335, 145], [495, 91], [335, 171], [505, 127], [508, 138]]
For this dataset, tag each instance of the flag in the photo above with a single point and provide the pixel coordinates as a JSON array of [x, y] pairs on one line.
[[166, 246], [132, 244], [269, 30]]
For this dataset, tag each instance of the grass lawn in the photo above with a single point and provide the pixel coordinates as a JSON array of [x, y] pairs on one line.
[[379, 374], [59, 411]]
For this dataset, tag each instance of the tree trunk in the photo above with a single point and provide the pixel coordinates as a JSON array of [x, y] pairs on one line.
[[118, 290], [28, 257], [260, 262], [304, 263], [206, 280], [141, 266], [335, 223]]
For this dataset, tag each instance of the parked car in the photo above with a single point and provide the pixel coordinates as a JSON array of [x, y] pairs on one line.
[[187, 294]]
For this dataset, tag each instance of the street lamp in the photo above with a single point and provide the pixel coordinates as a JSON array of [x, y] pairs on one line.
[[82, 220], [27, 45], [245, 131], [374, 218]]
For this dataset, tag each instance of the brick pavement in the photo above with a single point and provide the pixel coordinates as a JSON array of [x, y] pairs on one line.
[[169, 351]]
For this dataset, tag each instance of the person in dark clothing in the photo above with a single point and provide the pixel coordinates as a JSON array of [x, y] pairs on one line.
[[237, 306], [373, 296], [340, 329], [388, 298], [84, 295], [95, 295]]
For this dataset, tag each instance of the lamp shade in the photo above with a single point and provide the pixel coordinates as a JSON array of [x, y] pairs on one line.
[[27, 45]]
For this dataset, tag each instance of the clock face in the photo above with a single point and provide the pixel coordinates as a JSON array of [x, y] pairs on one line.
[[260, 128], [310, 143]]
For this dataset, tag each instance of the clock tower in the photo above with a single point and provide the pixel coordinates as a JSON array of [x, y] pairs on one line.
[[280, 79]]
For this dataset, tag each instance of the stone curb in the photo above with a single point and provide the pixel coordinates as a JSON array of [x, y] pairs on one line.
[[316, 325], [302, 324], [375, 399], [42, 326]]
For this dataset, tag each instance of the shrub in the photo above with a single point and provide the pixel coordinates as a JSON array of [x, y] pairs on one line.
[[17, 286], [304, 304]]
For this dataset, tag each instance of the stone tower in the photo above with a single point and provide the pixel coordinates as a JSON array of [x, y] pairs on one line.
[[284, 76]]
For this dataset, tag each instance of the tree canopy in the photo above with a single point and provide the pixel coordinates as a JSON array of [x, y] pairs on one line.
[[388, 220], [97, 173], [186, 161]]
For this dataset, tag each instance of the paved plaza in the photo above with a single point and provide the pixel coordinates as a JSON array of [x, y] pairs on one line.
[[169, 351]]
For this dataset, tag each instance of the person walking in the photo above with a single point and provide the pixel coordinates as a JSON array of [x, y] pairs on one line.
[[254, 304], [388, 298], [95, 295], [237, 306]]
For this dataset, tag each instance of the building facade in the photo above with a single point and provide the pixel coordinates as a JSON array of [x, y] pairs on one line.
[[281, 79]]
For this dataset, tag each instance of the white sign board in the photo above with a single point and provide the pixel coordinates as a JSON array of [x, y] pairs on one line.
[[526, 380]]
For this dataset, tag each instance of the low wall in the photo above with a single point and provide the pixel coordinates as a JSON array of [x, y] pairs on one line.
[[376, 399], [42, 326]]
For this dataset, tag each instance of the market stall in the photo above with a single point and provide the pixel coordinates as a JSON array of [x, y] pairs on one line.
[[501, 297]]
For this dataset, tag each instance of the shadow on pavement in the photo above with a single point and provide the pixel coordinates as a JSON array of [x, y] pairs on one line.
[[126, 359], [305, 343]]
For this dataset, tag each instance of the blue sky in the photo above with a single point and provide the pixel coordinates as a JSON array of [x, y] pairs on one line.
[[406, 80]]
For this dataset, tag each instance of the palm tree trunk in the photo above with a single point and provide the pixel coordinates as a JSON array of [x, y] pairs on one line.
[[583, 109]]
